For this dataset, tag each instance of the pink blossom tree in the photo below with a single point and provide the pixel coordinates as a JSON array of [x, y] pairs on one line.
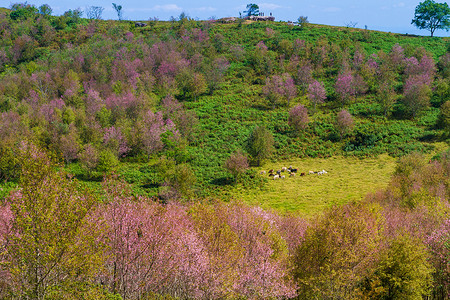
[[344, 122], [236, 164], [298, 118], [316, 93], [278, 88]]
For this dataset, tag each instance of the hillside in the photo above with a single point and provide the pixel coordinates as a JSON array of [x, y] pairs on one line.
[[96, 80], [135, 161]]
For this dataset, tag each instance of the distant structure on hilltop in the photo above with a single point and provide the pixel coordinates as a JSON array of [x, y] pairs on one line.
[[261, 17]]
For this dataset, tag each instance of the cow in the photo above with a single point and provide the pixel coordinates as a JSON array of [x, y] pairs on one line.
[[262, 172], [302, 174], [282, 177], [279, 172], [276, 177], [283, 169], [311, 172], [292, 175]]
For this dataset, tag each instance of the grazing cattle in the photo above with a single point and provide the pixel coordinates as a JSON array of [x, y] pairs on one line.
[[270, 174], [311, 172], [276, 177], [322, 172], [282, 177], [279, 172], [292, 175], [283, 169], [262, 172], [302, 174], [271, 171], [294, 170]]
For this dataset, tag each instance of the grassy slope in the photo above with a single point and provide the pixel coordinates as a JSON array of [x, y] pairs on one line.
[[227, 117]]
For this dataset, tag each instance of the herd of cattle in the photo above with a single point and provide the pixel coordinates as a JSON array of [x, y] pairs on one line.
[[291, 172]]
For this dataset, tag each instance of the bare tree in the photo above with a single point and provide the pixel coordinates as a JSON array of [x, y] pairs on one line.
[[351, 24], [94, 12], [119, 12]]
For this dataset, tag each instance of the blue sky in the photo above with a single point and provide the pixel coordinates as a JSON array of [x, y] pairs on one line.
[[384, 15]]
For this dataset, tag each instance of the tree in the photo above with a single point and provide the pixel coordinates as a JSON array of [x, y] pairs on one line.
[[237, 163], [316, 93], [416, 92], [94, 12], [302, 21], [430, 15], [344, 122], [252, 10], [54, 237], [45, 10], [444, 117], [260, 144], [403, 271], [298, 118], [278, 88], [118, 9], [337, 252], [22, 11]]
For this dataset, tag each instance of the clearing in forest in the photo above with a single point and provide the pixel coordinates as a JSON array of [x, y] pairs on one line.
[[347, 179]]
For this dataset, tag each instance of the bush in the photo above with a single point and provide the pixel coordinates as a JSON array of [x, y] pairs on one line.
[[260, 144], [107, 161]]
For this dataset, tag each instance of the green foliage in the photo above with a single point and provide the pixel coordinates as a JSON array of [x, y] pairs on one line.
[[107, 161], [22, 11], [336, 253], [403, 271], [444, 117], [10, 164], [179, 181], [260, 144], [252, 10], [51, 219], [430, 15]]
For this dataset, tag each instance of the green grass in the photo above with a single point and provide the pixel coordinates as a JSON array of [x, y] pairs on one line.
[[348, 179]]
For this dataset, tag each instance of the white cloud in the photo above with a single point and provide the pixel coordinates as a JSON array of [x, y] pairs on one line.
[[267, 6], [401, 4], [167, 7], [332, 9], [205, 9]]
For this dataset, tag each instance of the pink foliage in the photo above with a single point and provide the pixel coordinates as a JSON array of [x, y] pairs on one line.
[[344, 122], [316, 92], [439, 243], [113, 139], [349, 86], [254, 228], [6, 231], [397, 56], [94, 102], [261, 46], [153, 126], [278, 87], [298, 117], [152, 248]]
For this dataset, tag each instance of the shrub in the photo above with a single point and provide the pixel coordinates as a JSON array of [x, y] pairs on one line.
[[344, 122], [298, 118], [236, 164], [260, 144]]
